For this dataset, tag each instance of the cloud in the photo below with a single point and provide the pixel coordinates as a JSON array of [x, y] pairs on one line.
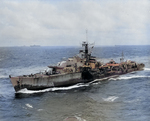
[[50, 23]]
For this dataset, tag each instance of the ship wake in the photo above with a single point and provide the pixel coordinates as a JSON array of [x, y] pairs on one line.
[[26, 91], [147, 69], [129, 77], [53, 89]]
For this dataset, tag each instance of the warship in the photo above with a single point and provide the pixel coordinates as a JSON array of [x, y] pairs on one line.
[[81, 68]]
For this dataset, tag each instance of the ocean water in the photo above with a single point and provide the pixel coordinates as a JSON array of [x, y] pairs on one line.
[[126, 98]]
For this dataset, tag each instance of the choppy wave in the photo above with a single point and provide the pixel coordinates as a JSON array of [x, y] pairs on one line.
[[110, 98]]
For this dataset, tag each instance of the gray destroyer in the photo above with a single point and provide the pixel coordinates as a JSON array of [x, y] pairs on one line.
[[82, 68]]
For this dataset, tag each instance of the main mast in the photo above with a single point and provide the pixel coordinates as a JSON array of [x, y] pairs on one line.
[[85, 44]]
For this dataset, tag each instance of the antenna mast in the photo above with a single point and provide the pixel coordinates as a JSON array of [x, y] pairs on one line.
[[85, 44], [86, 36]]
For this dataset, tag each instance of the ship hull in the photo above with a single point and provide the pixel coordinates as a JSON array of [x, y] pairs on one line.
[[45, 81], [39, 82]]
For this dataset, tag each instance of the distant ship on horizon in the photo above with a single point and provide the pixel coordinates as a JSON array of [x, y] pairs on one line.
[[35, 46]]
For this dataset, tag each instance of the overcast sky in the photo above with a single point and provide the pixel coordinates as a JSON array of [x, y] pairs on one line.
[[64, 22]]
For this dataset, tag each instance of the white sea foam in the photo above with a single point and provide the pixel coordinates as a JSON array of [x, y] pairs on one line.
[[24, 107], [130, 77], [110, 99], [96, 81], [3, 76], [29, 105], [26, 91], [79, 118], [147, 69], [72, 118], [39, 109]]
